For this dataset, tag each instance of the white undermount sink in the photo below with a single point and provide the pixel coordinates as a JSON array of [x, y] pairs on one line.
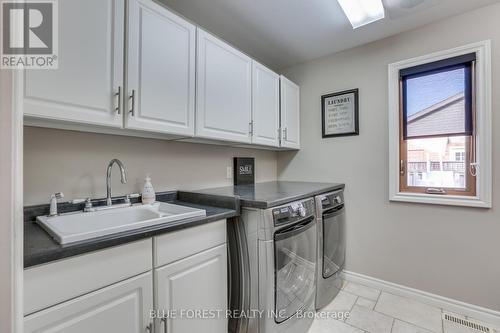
[[78, 226]]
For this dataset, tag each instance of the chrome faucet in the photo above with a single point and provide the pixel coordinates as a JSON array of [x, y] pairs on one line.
[[108, 178]]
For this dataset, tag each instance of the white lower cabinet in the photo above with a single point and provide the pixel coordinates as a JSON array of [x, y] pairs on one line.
[[122, 307], [112, 290], [192, 292]]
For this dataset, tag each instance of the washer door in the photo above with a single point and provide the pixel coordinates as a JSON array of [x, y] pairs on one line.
[[333, 240], [295, 254]]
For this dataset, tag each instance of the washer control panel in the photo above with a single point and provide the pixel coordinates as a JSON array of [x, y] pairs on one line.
[[293, 212]]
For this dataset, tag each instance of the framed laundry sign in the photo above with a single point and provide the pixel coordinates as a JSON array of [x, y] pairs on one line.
[[339, 113]]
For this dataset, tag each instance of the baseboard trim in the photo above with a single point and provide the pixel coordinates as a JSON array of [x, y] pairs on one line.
[[475, 312]]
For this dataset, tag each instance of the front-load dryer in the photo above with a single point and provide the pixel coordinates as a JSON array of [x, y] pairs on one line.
[[331, 246]]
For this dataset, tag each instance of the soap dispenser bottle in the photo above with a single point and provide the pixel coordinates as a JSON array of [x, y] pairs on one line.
[[148, 193]]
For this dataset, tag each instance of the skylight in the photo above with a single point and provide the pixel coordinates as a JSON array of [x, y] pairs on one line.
[[362, 12]]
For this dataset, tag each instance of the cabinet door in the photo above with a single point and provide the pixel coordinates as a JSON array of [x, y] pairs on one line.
[[195, 283], [265, 105], [161, 70], [290, 115], [82, 90], [123, 307], [224, 82]]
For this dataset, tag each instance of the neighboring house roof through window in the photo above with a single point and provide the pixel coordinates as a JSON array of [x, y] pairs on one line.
[[443, 116]]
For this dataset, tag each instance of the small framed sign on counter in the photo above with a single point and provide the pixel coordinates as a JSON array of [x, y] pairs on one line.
[[244, 170], [339, 113]]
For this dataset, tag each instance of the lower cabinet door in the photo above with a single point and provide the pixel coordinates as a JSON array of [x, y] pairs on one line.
[[192, 293], [123, 307]]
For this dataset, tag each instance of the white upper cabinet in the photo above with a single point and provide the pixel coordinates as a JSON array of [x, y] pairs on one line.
[[90, 70], [290, 115], [265, 105], [224, 94], [178, 82], [123, 307], [161, 70]]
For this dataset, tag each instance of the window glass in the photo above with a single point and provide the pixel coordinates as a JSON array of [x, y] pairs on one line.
[[437, 98], [437, 141], [436, 103], [422, 93], [440, 111], [432, 162]]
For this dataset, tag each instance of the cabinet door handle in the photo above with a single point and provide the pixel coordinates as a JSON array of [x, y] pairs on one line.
[[250, 128], [132, 98], [164, 324], [433, 190], [285, 133], [118, 95]]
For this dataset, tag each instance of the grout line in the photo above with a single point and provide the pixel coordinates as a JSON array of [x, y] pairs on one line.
[[380, 292], [358, 328], [354, 326], [350, 310], [378, 298], [355, 302], [414, 300], [442, 310], [392, 318], [442, 321], [407, 322], [344, 284], [418, 326], [393, 322], [479, 313], [348, 292]]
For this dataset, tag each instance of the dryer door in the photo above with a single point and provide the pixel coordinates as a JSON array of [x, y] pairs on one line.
[[333, 240], [295, 253]]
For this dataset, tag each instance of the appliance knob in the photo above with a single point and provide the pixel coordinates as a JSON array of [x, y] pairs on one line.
[[338, 199], [302, 211]]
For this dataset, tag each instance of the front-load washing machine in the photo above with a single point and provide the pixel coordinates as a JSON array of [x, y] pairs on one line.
[[273, 254]]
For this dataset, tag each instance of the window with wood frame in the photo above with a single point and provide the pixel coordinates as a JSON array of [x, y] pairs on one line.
[[437, 127]]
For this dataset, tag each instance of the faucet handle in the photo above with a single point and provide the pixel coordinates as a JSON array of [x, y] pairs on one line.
[[78, 201], [88, 203], [130, 196], [57, 195]]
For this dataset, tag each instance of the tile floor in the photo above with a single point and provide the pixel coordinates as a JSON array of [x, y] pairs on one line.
[[375, 311]]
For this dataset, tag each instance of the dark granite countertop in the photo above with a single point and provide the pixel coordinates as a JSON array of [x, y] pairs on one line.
[[219, 203], [270, 194], [40, 248]]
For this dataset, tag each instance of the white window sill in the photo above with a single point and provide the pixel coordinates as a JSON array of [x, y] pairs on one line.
[[435, 199]]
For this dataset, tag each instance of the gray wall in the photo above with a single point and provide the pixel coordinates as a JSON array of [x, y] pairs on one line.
[[75, 163], [454, 252], [450, 251]]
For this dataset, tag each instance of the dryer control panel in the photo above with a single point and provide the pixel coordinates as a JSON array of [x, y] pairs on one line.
[[332, 200]]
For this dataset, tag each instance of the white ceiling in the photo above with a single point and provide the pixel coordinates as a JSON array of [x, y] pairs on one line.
[[280, 33]]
